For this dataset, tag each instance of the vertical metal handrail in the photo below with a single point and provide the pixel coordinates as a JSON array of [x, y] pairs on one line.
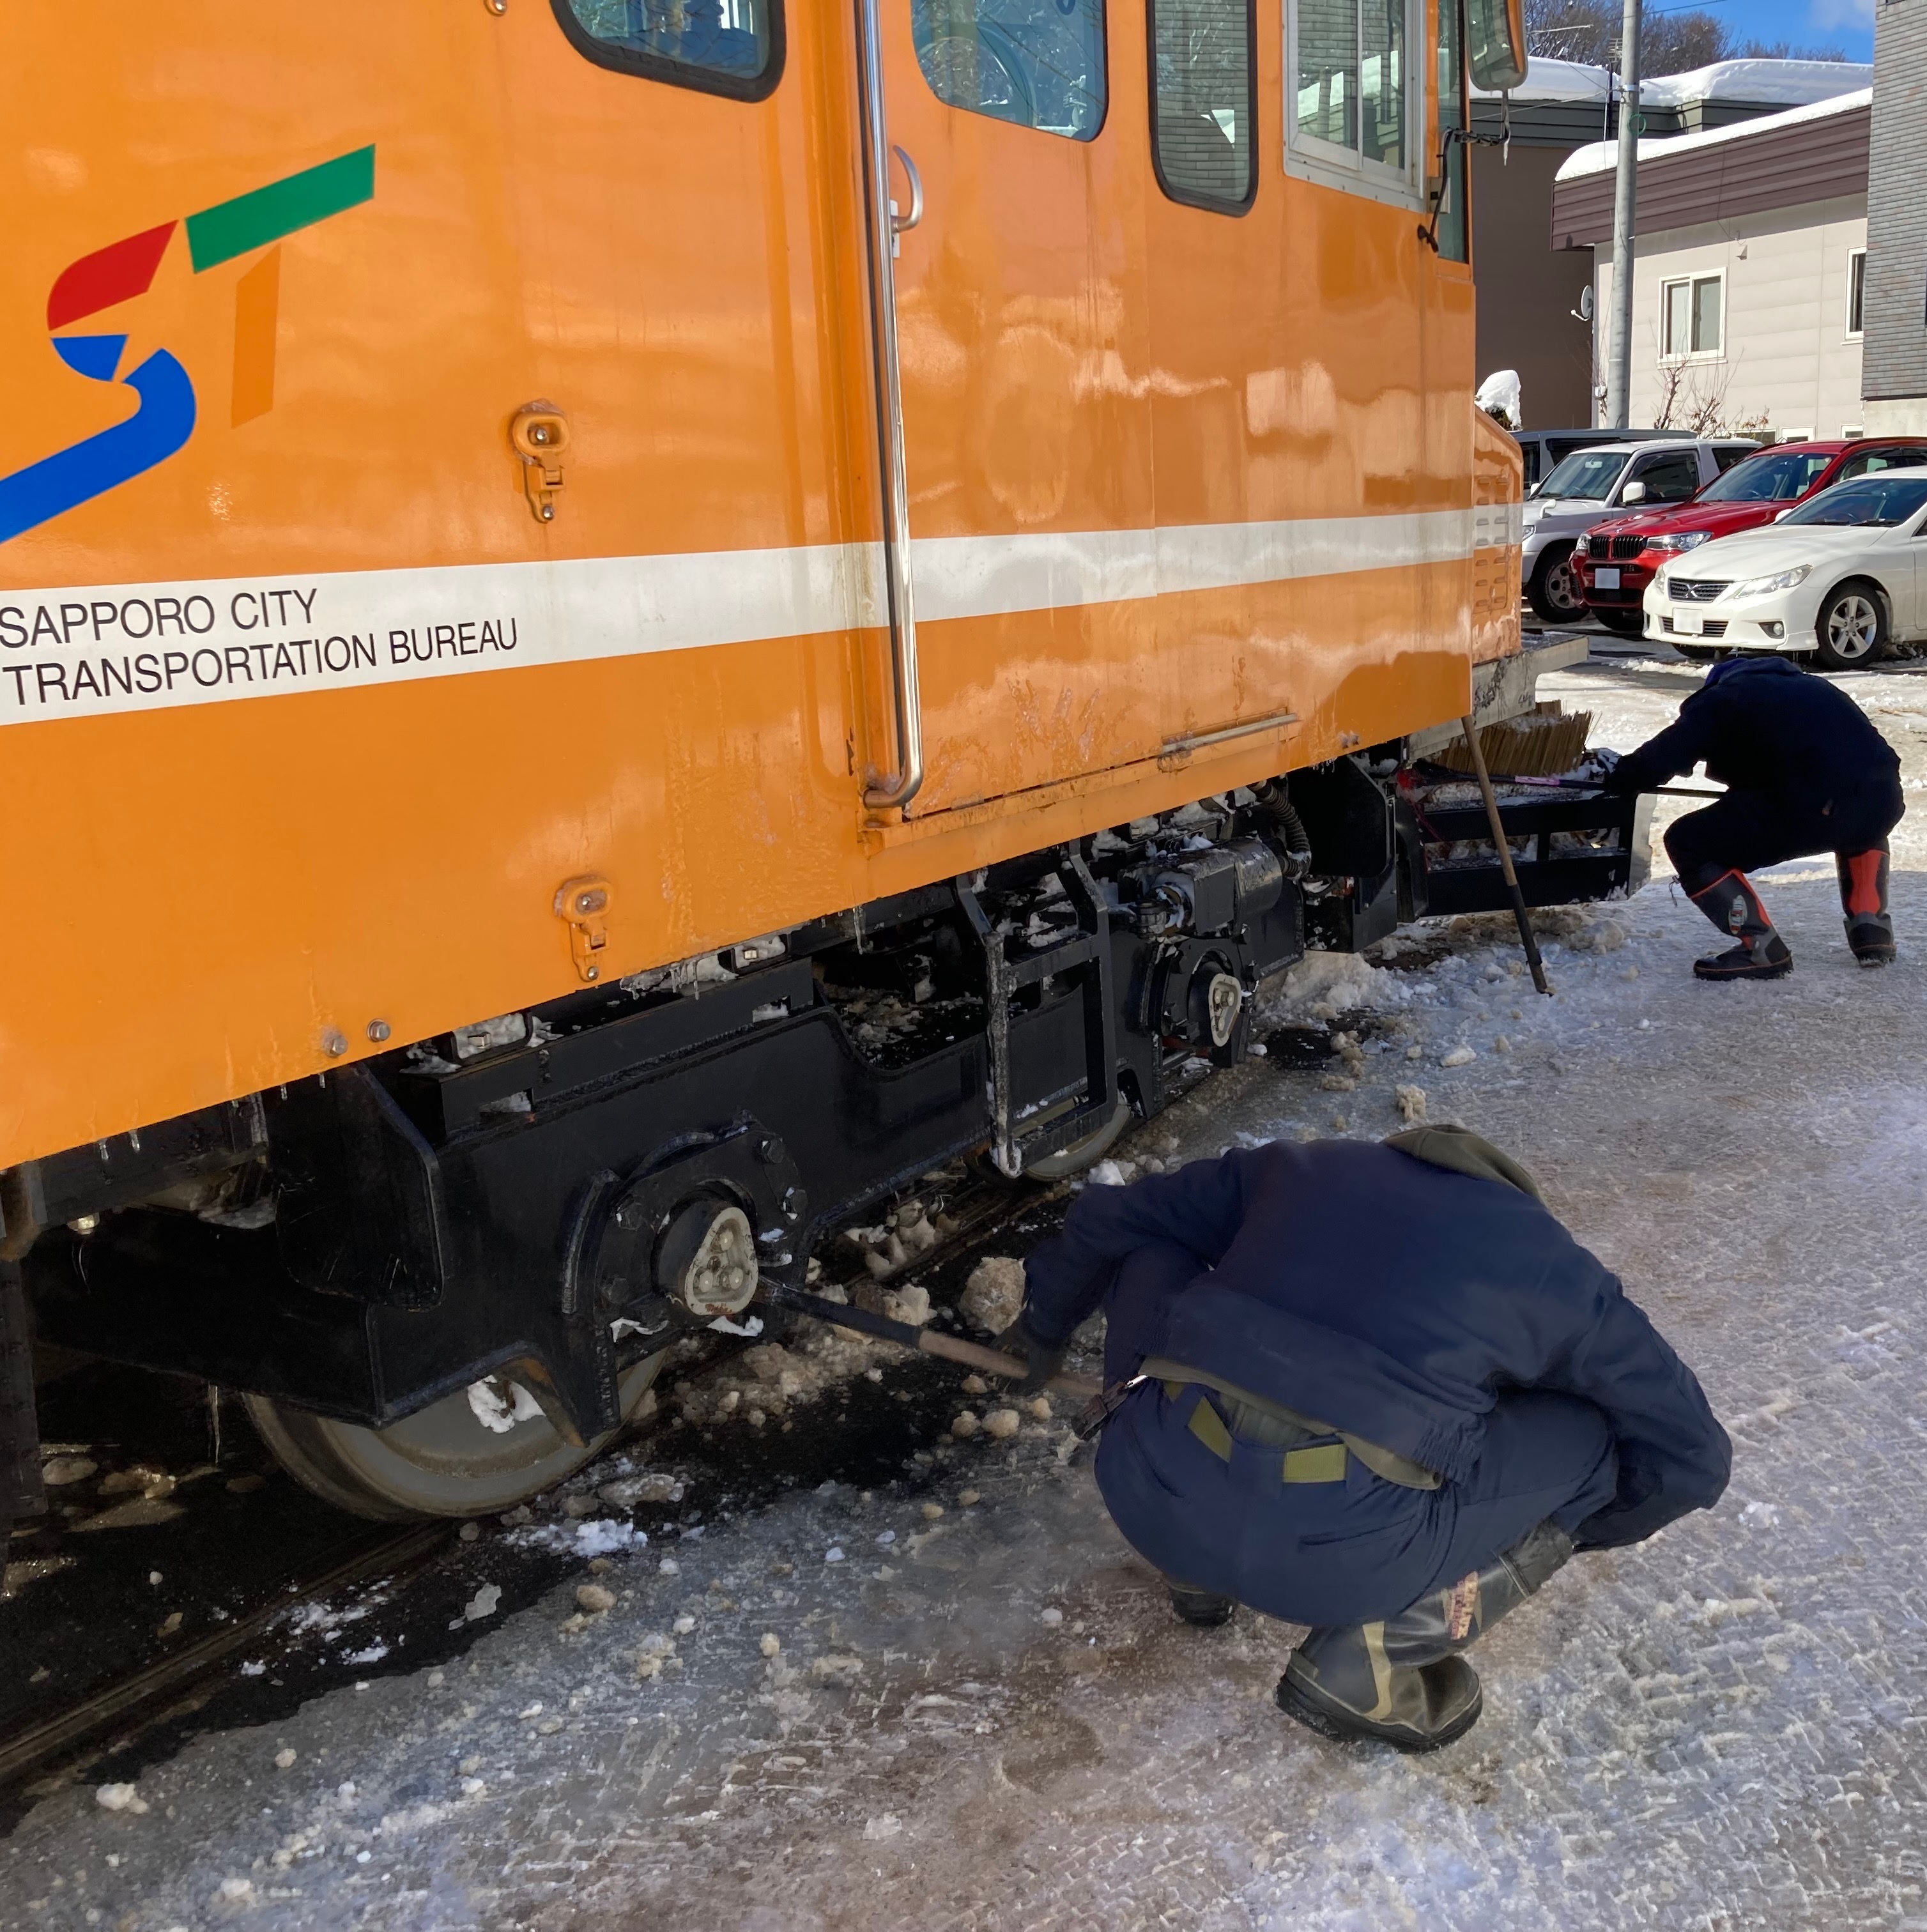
[[901, 786]]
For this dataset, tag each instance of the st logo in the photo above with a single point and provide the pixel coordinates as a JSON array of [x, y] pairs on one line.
[[164, 418]]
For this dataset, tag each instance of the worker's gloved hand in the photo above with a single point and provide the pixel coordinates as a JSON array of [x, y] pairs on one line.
[[1627, 775], [1042, 1360]]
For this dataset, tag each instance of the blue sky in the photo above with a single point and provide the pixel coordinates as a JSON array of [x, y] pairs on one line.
[[1848, 24]]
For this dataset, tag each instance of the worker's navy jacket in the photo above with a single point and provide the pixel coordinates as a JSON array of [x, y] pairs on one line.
[[1397, 1300], [1763, 724]]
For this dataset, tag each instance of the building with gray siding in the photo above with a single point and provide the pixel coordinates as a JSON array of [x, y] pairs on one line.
[[1530, 283], [1894, 376]]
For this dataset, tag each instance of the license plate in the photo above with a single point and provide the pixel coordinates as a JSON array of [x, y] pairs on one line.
[[1688, 627], [1606, 577]]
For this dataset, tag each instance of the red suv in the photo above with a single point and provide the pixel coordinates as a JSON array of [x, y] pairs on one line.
[[1616, 562]]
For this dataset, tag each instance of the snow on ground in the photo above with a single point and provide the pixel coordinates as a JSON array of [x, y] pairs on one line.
[[849, 1712]]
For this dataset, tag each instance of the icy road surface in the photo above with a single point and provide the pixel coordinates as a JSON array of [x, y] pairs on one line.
[[851, 1711]]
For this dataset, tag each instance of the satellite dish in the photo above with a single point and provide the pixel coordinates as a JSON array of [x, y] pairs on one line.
[[1585, 303]]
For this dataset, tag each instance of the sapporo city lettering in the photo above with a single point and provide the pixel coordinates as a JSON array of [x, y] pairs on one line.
[[155, 645]]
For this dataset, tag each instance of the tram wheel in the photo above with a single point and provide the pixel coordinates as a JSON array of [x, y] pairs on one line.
[[442, 1461]]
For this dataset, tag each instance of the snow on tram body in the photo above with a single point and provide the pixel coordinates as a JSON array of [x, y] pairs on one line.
[[553, 542]]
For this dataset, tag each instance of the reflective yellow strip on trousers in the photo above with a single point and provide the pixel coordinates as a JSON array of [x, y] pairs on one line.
[[1324, 1462]]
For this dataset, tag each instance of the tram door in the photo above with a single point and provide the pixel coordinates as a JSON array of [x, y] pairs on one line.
[[1022, 354]]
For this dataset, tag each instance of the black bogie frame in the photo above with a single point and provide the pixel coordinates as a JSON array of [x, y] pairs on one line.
[[364, 1242]]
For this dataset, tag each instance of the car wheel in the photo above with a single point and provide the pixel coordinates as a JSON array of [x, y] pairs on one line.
[[1627, 623], [1553, 592], [1852, 626]]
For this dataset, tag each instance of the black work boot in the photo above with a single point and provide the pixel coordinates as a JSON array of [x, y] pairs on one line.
[[1731, 902], [1863, 897], [1403, 1681], [1203, 1609]]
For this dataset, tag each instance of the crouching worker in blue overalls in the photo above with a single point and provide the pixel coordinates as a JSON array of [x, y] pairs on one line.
[[1378, 1390]]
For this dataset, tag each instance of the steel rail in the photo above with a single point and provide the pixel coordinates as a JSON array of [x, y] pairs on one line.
[[138, 1694]]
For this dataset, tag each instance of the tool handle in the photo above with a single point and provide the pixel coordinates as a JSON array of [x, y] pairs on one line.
[[945, 1348], [1504, 851], [1593, 784]]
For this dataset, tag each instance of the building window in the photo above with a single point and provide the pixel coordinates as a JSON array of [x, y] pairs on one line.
[[1353, 112], [1204, 101], [1856, 292], [734, 47], [1038, 63], [1690, 317]]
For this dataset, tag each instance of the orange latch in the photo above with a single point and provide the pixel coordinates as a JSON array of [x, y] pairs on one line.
[[584, 903], [539, 433]]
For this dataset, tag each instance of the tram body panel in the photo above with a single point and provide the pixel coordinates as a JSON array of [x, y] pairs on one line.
[[215, 892]]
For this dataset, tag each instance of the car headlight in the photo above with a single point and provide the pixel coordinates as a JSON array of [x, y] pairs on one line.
[[1765, 586], [1679, 540]]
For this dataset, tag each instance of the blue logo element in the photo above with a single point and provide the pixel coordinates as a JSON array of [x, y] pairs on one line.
[[159, 427]]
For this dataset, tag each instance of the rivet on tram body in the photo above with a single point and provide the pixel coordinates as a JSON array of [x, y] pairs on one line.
[[378, 1030], [333, 1044]]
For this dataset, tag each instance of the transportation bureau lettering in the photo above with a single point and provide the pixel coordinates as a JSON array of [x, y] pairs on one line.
[[201, 647]]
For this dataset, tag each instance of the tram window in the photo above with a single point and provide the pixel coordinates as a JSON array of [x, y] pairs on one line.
[[1204, 101], [1038, 63], [733, 47], [1352, 80], [1452, 234]]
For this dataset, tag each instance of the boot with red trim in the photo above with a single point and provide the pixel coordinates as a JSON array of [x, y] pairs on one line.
[[1731, 902], [1863, 897]]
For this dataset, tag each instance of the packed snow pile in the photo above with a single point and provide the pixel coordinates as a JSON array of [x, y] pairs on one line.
[[1323, 985]]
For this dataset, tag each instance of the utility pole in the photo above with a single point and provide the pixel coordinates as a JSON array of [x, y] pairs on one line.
[[1618, 373]]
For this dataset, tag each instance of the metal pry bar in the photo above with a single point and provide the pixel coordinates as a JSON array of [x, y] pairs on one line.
[[907, 1335]]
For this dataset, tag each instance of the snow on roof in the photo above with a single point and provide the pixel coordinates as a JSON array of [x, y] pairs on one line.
[[1601, 156], [1764, 83]]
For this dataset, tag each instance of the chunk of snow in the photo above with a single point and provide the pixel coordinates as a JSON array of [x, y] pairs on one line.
[[120, 1798], [993, 1295], [499, 1413], [484, 1603], [1052, 1616], [910, 1303], [1107, 1173], [1410, 1102], [1001, 1422], [769, 1644], [594, 1600], [1460, 1056], [723, 1325]]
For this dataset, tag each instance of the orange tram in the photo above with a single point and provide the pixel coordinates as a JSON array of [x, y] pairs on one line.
[[557, 544]]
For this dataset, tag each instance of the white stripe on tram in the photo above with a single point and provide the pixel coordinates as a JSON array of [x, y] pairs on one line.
[[93, 651]]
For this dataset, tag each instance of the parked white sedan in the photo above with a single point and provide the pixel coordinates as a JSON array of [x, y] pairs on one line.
[[1844, 576]]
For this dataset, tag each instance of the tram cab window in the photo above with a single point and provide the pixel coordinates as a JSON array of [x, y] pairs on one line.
[[1204, 101], [1038, 63], [1454, 237], [1353, 122], [724, 46]]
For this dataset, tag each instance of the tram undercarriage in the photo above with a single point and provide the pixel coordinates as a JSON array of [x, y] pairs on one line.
[[409, 1264]]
